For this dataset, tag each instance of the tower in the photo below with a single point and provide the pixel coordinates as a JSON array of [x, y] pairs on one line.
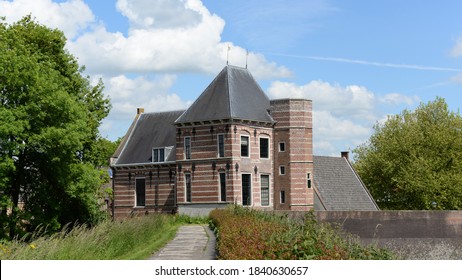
[[293, 154]]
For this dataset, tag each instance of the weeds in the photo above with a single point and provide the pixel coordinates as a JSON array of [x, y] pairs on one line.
[[244, 233]]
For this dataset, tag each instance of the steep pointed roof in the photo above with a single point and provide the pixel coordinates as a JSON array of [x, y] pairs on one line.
[[233, 94]]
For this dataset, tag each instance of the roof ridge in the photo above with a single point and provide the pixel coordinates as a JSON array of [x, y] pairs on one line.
[[198, 98], [361, 183], [129, 136], [227, 87], [164, 112]]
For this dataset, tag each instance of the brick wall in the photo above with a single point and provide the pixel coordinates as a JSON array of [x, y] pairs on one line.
[[397, 224], [294, 128], [159, 190], [205, 164]]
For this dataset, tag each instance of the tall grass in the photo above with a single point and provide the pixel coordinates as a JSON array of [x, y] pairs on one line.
[[134, 238], [244, 233]]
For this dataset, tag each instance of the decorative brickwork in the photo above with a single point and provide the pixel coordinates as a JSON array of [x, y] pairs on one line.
[[293, 128]]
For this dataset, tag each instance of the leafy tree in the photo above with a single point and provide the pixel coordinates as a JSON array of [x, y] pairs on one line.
[[414, 159], [49, 119]]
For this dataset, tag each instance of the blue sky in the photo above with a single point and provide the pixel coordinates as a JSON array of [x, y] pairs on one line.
[[359, 61]]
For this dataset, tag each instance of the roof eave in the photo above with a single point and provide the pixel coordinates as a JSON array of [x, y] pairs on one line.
[[141, 164]]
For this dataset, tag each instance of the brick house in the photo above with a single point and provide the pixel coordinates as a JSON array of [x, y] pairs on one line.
[[232, 145]]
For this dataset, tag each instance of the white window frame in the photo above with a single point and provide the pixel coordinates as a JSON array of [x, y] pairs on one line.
[[282, 196], [250, 191], [282, 167], [220, 191], [154, 153], [269, 148], [187, 152], [269, 190], [218, 145], [248, 146], [136, 192], [186, 187], [279, 146]]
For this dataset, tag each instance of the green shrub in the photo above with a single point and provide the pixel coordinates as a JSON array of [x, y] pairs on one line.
[[244, 233]]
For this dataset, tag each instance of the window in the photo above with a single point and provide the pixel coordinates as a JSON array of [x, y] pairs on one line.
[[187, 147], [308, 180], [246, 190], [140, 191], [282, 170], [282, 197], [222, 186], [264, 184], [244, 146], [264, 148], [221, 145], [187, 180], [158, 155], [282, 146]]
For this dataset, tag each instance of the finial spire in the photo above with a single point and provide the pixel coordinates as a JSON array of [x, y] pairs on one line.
[[227, 54], [246, 57]]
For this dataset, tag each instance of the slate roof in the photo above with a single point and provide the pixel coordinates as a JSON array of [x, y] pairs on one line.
[[338, 187], [234, 94], [151, 130]]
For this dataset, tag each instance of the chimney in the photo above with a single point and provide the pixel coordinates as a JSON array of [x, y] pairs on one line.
[[345, 155], [139, 111]]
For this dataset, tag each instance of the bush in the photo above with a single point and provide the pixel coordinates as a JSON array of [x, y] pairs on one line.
[[244, 233]]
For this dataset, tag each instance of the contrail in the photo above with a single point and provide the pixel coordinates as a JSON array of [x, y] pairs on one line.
[[371, 63]]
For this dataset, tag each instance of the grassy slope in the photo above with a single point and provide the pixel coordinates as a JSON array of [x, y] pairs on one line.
[[135, 238]]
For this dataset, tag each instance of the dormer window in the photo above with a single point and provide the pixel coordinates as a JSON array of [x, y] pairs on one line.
[[160, 154]]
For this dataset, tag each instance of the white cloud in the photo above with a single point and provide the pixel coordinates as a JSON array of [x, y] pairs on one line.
[[127, 94], [328, 126], [189, 42], [352, 100], [340, 114], [457, 78], [457, 50], [71, 17], [159, 14], [396, 99], [154, 95], [164, 36]]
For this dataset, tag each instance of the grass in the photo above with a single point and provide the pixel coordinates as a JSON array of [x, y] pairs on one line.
[[134, 238], [249, 234]]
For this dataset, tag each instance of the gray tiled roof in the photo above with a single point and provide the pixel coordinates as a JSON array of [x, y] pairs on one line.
[[152, 130], [233, 94], [338, 185]]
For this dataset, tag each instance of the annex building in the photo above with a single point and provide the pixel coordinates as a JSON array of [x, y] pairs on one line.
[[233, 145]]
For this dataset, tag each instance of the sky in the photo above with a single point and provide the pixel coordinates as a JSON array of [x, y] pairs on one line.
[[358, 61]]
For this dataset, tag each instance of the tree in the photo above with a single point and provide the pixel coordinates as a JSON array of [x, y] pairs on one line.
[[49, 119], [414, 159]]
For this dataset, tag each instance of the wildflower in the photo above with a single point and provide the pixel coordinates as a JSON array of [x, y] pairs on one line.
[[32, 246]]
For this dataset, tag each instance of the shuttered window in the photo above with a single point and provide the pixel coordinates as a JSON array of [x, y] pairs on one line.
[[264, 183]]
